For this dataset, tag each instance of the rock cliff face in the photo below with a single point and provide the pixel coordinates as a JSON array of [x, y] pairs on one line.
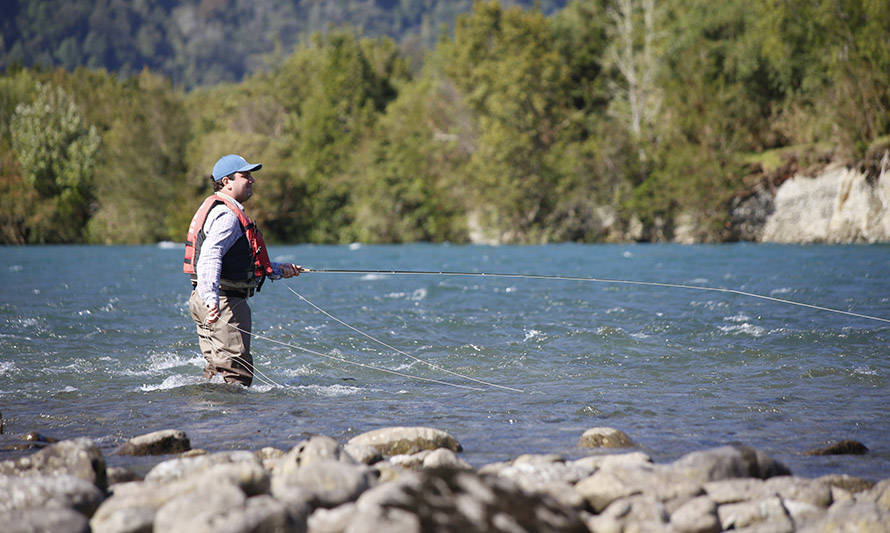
[[840, 205]]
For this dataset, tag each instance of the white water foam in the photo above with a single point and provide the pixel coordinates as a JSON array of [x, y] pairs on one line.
[[372, 277], [744, 328], [164, 361], [7, 367], [170, 245], [176, 381], [532, 334], [330, 391]]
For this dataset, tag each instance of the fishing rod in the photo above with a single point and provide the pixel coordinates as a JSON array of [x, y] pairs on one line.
[[590, 280]]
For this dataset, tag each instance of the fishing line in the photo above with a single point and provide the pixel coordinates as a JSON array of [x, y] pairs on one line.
[[378, 341], [595, 280], [343, 360]]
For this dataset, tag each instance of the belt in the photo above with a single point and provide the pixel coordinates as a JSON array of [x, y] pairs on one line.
[[232, 293]]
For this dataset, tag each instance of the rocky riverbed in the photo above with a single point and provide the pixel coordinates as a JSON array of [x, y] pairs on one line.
[[412, 479]]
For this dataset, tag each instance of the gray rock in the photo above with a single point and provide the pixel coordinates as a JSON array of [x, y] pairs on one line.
[[603, 488], [852, 517], [879, 494], [728, 462], [848, 483], [125, 520], [809, 491], [139, 502], [183, 467], [78, 457], [334, 520], [603, 437], [595, 462], [388, 519], [162, 442], [662, 483], [734, 490], [445, 458], [314, 449], [38, 491], [203, 510], [453, 500], [412, 461], [639, 513], [803, 513], [698, 515], [48, 520], [406, 440], [330, 483], [769, 511], [363, 453], [118, 474]]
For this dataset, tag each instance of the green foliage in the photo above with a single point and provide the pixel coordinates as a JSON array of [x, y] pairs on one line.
[[56, 151], [517, 127]]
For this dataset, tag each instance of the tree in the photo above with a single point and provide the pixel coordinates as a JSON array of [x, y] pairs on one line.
[[56, 151], [506, 66]]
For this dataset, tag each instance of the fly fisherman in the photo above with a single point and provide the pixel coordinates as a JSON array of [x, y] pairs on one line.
[[227, 260]]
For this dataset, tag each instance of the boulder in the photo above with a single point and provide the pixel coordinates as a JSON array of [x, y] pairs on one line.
[[445, 458], [78, 457], [162, 442], [755, 513], [698, 515], [595, 462], [455, 500], [314, 449], [858, 516], [329, 483], [728, 462], [183, 467], [48, 491], [52, 519], [363, 453], [406, 440], [139, 502], [602, 437], [844, 447], [334, 520], [202, 510], [660, 482], [119, 474], [848, 483], [412, 461]]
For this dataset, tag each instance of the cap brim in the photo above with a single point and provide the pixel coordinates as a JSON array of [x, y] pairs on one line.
[[250, 168]]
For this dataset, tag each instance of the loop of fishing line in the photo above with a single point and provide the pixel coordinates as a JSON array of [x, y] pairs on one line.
[[378, 341], [593, 280], [344, 360]]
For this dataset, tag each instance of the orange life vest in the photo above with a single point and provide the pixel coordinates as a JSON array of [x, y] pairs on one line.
[[258, 256]]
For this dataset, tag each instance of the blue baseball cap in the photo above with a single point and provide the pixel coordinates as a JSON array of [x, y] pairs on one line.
[[229, 164]]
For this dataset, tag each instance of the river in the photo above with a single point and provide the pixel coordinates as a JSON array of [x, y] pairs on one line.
[[97, 342]]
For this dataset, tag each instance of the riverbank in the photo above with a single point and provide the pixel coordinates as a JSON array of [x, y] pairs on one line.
[[414, 479]]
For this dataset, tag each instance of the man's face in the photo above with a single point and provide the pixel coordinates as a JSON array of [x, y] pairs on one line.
[[240, 186]]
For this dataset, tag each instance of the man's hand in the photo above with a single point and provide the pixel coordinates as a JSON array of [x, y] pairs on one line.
[[289, 270], [212, 313]]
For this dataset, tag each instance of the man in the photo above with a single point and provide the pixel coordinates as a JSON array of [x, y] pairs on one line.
[[227, 260]]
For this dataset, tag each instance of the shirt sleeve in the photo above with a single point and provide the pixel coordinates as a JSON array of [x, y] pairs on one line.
[[221, 230]]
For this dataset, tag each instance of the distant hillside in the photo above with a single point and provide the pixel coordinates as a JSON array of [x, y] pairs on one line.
[[204, 42]]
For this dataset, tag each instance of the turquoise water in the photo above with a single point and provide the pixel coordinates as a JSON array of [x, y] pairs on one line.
[[97, 342]]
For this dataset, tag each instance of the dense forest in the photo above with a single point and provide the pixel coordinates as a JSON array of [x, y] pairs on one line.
[[384, 121]]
